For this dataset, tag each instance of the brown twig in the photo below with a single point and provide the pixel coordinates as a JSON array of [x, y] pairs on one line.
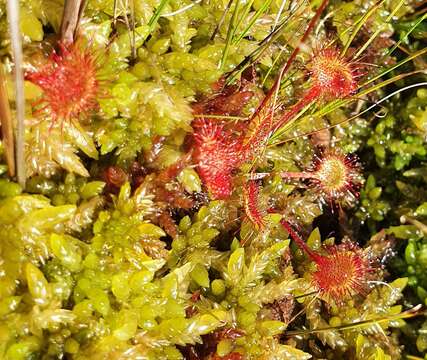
[[73, 11], [6, 125]]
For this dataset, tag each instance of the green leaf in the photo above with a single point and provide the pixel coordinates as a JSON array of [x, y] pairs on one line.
[[235, 266], [200, 275], [37, 285], [291, 353], [422, 209], [67, 252]]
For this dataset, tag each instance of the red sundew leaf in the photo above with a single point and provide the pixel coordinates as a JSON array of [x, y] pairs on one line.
[[69, 82], [343, 272], [337, 176], [332, 74], [254, 209], [216, 154], [257, 134]]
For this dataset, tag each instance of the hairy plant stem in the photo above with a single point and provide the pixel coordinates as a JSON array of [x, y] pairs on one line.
[[300, 242]]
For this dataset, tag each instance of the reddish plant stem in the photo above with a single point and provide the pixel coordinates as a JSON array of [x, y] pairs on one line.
[[311, 96], [296, 175], [268, 127], [300, 242], [284, 174], [294, 54]]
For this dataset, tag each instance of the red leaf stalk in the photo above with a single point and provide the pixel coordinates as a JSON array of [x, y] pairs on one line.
[[299, 241], [261, 122], [332, 77]]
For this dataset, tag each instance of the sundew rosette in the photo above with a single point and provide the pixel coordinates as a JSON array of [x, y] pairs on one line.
[[71, 81]]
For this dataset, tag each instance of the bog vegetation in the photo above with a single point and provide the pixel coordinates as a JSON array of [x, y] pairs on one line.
[[220, 179]]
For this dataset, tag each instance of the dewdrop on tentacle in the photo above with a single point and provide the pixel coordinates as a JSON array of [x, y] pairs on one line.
[[70, 83], [343, 270]]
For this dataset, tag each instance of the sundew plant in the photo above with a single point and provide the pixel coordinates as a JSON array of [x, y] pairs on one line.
[[213, 179]]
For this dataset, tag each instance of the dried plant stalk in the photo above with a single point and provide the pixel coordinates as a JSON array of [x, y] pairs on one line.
[[15, 35], [6, 125], [73, 10]]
